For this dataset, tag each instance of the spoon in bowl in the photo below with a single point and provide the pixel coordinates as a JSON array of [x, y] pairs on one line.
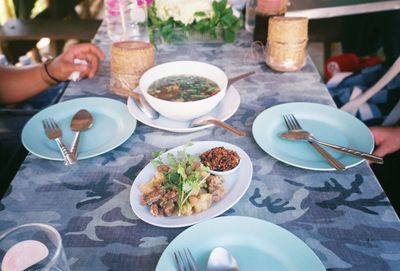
[[144, 106], [80, 122], [221, 260]]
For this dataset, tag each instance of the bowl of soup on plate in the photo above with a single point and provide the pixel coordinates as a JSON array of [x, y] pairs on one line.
[[184, 90]]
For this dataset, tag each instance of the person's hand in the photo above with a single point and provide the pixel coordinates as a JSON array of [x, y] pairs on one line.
[[387, 139], [62, 66]]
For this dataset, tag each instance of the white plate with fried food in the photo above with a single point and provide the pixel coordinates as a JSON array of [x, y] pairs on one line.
[[150, 205]]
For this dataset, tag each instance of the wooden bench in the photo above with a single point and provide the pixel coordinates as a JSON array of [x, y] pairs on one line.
[[55, 29]]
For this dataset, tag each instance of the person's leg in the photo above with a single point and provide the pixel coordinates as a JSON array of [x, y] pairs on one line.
[[388, 176], [391, 35], [12, 153]]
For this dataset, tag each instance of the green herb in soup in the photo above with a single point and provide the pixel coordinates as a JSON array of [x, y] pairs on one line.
[[183, 88]]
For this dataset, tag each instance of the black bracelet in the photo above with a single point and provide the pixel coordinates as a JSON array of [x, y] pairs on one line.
[[48, 74]]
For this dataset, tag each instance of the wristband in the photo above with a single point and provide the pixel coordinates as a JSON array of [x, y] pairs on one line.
[[48, 74]]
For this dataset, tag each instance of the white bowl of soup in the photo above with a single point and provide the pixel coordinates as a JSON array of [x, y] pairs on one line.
[[183, 90]]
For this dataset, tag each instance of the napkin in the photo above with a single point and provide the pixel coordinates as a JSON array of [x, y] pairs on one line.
[[75, 75]]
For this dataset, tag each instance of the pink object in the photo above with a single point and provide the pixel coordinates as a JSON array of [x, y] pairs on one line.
[[23, 255]]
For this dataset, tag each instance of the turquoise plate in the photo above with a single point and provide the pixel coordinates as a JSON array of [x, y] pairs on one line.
[[112, 126], [256, 245], [324, 122]]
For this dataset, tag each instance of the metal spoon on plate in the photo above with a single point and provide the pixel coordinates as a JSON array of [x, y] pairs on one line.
[[221, 260], [80, 122]]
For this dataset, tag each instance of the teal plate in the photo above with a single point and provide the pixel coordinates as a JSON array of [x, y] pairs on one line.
[[324, 122], [112, 126], [256, 245]]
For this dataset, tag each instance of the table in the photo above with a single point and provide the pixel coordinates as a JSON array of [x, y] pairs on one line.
[[343, 216]]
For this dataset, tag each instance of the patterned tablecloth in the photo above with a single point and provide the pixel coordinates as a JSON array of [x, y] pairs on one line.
[[344, 217]]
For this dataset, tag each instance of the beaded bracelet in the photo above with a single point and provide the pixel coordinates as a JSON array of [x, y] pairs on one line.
[[48, 73]]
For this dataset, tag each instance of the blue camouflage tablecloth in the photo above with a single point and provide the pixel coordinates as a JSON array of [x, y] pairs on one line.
[[344, 217]]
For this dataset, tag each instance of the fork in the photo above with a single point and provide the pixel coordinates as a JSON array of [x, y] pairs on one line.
[[185, 260], [53, 132], [293, 125], [304, 135]]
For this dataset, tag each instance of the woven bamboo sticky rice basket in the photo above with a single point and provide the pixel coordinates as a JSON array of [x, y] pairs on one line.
[[286, 43], [129, 60]]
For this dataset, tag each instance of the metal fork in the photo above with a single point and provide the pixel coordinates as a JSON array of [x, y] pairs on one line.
[[293, 125], [53, 132], [185, 261]]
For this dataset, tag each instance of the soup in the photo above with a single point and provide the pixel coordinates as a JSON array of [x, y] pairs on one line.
[[183, 88]]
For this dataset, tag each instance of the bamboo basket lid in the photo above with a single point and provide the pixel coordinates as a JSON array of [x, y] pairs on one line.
[[130, 56], [288, 29]]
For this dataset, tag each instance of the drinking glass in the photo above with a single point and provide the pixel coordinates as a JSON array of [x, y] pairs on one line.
[[32, 246]]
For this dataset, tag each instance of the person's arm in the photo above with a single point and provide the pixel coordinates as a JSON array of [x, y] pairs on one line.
[[18, 84], [387, 139]]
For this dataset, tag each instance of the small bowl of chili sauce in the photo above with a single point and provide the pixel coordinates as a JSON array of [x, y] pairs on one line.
[[221, 161]]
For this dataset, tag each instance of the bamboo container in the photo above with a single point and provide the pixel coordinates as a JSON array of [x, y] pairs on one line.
[[286, 43], [129, 60]]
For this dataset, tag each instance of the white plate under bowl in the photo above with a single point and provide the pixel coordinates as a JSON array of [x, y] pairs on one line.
[[223, 111]]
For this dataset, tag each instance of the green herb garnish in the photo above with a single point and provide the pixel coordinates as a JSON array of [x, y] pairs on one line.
[[186, 175]]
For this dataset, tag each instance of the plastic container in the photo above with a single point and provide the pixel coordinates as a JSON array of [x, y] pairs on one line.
[[250, 18], [3, 60], [126, 20], [24, 60]]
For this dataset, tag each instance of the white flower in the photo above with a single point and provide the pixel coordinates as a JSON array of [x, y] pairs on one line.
[[183, 10], [236, 12]]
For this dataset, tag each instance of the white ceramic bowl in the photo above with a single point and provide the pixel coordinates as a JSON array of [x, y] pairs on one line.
[[183, 111], [226, 172]]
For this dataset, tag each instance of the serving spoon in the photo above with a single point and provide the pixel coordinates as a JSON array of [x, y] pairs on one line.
[[221, 260], [210, 119]]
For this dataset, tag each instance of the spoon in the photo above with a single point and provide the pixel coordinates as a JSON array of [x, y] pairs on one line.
[[239, 77], [144, 106], [80, 122], [221, 260], [209, 119]]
